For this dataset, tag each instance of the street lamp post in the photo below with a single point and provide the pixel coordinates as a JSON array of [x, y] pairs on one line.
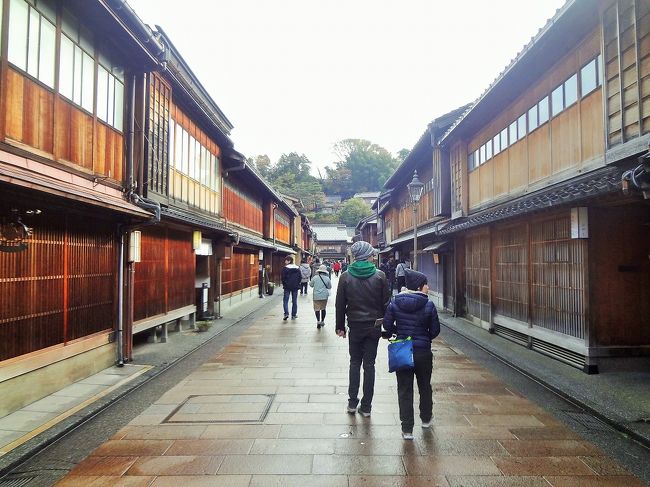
[[415, 188]]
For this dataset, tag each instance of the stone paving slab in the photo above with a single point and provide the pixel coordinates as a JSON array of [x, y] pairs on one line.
[[269, 410]]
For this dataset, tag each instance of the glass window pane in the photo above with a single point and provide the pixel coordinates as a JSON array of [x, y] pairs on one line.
[[118, 123], [496, 142], [557, 101], [78, 68], [46, 55], [599, 68], [513, 132], [69, 25], [504, 139], [66, 67], [18, 28], [102, 93], [571, 90], [47, 8], [470, 161], [111, 99], [532, 118], [542, 110], [186, 144], [86, 39], [171, 145], [488, 150], [178, 147], [88, 83], [521, 126], [481, 157], [32, 43], [588, 78], [191, 159]]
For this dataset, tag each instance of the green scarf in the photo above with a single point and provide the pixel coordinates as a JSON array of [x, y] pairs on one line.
[[362, 269]]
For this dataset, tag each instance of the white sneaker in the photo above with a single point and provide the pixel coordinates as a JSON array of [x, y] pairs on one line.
[[407, 436], [351, 410], [427, 424]]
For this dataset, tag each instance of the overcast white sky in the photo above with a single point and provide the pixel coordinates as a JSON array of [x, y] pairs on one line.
[[301, 75]]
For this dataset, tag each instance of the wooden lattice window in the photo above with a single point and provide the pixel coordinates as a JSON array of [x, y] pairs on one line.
[[511, 272], [558, 280], [158, 135], [627, 64], [477, 276]]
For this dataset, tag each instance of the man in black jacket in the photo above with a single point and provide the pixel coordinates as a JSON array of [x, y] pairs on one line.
[[362, 297], [291, 278]]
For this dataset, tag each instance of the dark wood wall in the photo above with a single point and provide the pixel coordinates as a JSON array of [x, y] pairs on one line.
[[240, 271], [164, 278], [61, 288], [620, 275], [242, 209]]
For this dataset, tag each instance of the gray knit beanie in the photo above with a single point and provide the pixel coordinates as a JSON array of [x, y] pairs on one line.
[[362, 250]]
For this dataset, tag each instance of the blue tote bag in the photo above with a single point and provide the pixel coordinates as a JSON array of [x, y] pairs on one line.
[[400, 354]]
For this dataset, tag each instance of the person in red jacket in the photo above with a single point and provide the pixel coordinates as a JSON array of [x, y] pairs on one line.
[[336, 268]]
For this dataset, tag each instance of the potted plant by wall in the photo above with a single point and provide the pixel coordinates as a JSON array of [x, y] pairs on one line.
[[203, 326]]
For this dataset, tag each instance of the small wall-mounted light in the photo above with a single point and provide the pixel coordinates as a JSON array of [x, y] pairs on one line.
[[196, 239], [261, 254], [135, 239]]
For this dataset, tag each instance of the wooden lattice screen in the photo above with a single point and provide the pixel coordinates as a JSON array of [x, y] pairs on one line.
[[511, 272], [61, 288], [559, 266], [477, 276]]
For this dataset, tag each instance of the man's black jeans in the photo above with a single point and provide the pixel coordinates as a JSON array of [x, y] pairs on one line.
[[423, 360], [363, 341]]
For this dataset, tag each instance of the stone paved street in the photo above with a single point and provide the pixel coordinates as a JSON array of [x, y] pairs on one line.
[[270, 410]]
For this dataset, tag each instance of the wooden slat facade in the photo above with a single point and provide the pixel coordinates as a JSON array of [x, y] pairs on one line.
[[282, 227], [239, 272], [547, 152], [626, 32], [61, 288], [241, 208], [38, 118], [164, 278]]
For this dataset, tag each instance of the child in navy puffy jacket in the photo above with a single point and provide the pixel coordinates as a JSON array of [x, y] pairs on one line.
[[411, 314]]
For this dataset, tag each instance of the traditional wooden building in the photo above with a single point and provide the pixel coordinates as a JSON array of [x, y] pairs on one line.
[[65, 71], [396, 216], [333, 241], [551, 237], [366, 230]]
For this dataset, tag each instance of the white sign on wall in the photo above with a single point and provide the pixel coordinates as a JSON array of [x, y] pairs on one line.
[[579, 222]]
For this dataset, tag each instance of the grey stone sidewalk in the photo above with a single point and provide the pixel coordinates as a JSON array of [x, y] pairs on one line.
[[28, 430], [269, 410], [619, 394]]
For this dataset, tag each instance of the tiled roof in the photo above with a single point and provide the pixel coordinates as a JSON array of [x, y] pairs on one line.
[[600, 182], [332, 233]]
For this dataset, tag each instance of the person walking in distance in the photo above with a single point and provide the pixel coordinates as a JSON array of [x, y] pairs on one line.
[[400, 274], [362, 296], [322, 285], [412, 314], [305, 274], [291, 279], [336, 267]]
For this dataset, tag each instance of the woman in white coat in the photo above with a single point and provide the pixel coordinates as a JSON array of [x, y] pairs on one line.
[[322, 285]]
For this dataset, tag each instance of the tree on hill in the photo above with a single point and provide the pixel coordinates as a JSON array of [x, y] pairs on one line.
[[354, 210], [362, 166], [290, 175]]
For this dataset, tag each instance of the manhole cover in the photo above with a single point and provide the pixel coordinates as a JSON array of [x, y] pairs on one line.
[[222, 408], [17, 482], [588, 421]]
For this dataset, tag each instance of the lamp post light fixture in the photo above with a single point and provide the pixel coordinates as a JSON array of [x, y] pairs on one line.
[[415, 188]]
